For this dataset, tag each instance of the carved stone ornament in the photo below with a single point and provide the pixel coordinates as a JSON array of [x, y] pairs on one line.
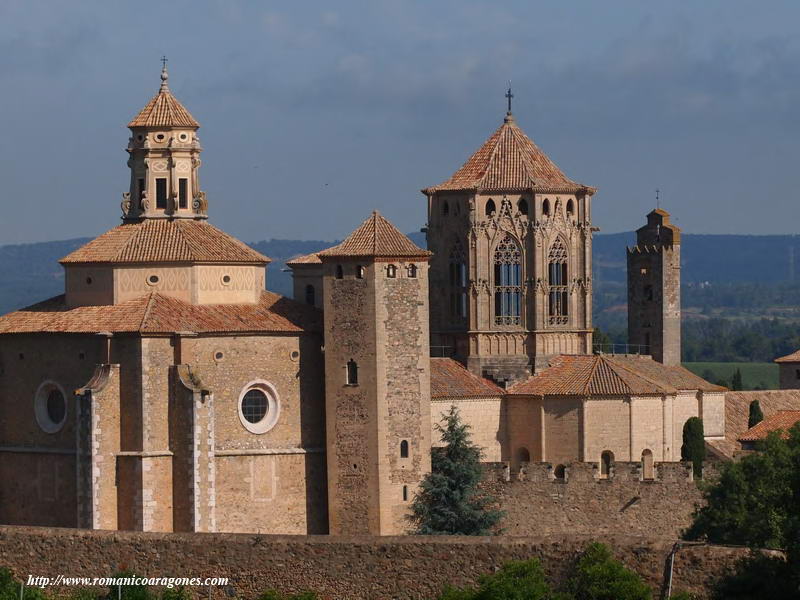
[[200, 204], [126, 203], [145, 202]]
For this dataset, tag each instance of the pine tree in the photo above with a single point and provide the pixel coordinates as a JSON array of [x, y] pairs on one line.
[[736, 381], [756, 416], [694, 444], [449, 501]]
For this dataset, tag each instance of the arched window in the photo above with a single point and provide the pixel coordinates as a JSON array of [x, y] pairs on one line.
[[558, 299], [606, 464], [445, 208], [352, 372], [570, 207], [546, 207], [391, 271], [360, 270], [507, 282], [458, 284], [522, 206], [405, 493], [560, 472], [490, 208], [310, 295], [648, 472], [411, 270], [523, 455], [404, 449], [339, 272]]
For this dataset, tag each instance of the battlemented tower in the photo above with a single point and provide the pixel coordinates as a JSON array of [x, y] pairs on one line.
[[511, 273], [377, 371], [654, 289]]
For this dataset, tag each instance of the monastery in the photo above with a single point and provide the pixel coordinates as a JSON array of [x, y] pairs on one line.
[[167, 390]]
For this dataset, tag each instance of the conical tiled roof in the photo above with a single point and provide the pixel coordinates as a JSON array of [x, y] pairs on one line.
[[164, 110], [509, 161], [376, 237], [165, 240]]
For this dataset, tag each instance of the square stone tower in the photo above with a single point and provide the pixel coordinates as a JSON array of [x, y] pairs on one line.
[[377, 371], [654, 289], [511, 271]]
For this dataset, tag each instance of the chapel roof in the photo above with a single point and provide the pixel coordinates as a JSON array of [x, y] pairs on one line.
[[782, 420], [376, 238], [789, 358], [509, 161], [165, 240], [450, 379], [610, 375], [164, 110], [306, 259], [155, 313]]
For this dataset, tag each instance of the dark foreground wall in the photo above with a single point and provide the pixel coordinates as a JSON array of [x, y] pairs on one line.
[[336, 567]]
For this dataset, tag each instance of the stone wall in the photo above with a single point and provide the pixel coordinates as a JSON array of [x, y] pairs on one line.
[[537, 503], [338, 567]]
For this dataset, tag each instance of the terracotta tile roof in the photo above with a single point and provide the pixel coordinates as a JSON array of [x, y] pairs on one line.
[[782, 420], [737, 413], [793, 357], [165, 240], [155, 313], [589, 375], [509, 161], [164, 110], [675, 376], [307, 259], [376, 237], [450, 379]]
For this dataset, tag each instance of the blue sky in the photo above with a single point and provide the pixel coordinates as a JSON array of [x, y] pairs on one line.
[[314, 113]]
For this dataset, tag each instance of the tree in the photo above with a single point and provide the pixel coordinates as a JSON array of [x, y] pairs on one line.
[[694, 444], [599, 576], [756, 416], [449, 501], [736, 380], [601, 341], [516, 580], [754, 503]]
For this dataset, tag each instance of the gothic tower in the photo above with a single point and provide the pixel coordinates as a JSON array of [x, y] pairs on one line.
[[511, 273], [377, 377], [654, 289], [164, 158]]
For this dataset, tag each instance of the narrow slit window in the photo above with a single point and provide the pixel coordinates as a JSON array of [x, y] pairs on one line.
[[339, 272], [412, 271], [161, 193], [352, 372], [404, 449], [183, 193], [311, 295], [360, 272]]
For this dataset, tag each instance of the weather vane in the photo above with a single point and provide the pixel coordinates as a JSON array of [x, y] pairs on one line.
[[509, 95]]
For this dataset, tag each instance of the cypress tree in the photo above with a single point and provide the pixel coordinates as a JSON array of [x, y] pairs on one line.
[[449, 501], [756, 416], [694, 444], [736, 381]]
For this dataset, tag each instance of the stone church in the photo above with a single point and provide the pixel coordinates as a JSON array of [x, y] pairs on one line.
[[167, 390]]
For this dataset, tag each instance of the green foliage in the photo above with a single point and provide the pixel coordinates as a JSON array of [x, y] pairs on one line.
[[516, 580], [599, 576], [736, 380], [449, 501], [755, 502], [755, 375], [683, 596], [756, 416], [178, 593], [601, 340], [694, 445], [757, 577]]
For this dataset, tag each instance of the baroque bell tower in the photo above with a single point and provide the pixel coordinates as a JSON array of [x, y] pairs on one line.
[[164, 159], [511, 273]]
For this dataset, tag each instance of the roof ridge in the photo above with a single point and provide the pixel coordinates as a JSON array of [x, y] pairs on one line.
[[644, 376], [135, 233], [150, 302], [519, 138]]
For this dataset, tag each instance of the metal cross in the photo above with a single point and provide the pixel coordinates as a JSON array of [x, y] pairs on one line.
[[658, 198], [163, 62], [509, 95]]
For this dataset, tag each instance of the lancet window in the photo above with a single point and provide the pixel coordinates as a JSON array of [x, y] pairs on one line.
[[507, 282], [458, 284], [558, 296]]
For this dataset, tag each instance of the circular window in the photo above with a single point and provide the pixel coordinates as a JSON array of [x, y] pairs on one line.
[[226, 280], [259, 407], [294, 355], [153, 279], [183, 137], [140, 137], [160, 137], [88, 281], [50, 407], [218, 356]]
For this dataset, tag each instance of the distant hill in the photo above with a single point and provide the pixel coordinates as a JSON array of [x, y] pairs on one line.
[[30, 272]]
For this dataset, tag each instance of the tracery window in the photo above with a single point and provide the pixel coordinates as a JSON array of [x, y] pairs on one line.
[[507, 282], [458, 284], [558, 300]]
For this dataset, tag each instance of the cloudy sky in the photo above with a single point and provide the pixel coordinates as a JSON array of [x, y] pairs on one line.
[[314, 113]]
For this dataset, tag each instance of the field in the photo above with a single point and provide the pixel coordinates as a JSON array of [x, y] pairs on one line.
[[755, 376]]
